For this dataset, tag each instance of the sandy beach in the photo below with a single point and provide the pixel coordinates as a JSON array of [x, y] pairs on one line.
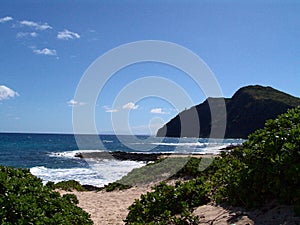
[[108, 207], [111, 208]]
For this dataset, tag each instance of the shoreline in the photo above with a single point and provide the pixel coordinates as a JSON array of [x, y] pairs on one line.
[[145, 156], [141, 157]]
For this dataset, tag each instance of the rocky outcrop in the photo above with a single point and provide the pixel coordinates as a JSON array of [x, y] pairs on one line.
[[143, 157], [246, 111], [119, 155]]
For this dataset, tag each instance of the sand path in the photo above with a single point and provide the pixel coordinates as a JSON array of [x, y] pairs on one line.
[[108, 207]]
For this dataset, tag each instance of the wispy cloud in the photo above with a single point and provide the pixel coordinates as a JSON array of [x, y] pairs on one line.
[[130, 106], [66, 35], [74, 103], [27, 29], [35, 25], [26, 34], [5, 19], [45, 51], [158, 111], [6, 93], [109, 109]]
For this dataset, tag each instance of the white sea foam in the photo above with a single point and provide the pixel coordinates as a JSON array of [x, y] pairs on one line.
[[195, 144], [213, 149], [71, 154], [98, 174], [197, 147]]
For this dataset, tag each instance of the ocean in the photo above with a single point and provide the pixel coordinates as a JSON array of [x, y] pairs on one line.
[[51, 157]]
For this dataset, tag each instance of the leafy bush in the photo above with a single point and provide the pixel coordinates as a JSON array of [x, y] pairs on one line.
[[167, 201], [24, 200], [68, 185], [265, 167], [193, 168], [115, 186]]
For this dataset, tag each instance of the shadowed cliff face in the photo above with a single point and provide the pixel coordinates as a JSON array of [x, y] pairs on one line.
[[247, 111]]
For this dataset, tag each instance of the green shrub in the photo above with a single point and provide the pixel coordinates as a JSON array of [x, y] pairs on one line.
[[115, 186], [265, 167], [68, 185], [165, 202], [189, 170], [24, 200]]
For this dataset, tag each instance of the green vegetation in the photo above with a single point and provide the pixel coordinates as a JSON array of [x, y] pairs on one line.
[[162, 205], [265, 168], [68, 185], [193, 168], [162, 169], [269, 93], [24, 200], [115, 186]]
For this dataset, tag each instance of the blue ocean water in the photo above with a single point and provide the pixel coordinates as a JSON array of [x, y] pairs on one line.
[[52, 156]]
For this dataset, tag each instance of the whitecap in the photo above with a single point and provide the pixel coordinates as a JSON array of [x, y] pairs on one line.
[[71, 154], [98, 174]]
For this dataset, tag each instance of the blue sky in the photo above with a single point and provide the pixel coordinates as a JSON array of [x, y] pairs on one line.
[[46, 47]]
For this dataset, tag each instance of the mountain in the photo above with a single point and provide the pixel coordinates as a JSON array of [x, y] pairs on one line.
[[246, 111]]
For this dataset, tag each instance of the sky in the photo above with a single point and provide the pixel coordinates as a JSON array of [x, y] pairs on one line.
[[46, 48]]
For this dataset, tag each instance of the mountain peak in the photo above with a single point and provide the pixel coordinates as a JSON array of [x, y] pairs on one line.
[[247, 111], [259, 92]]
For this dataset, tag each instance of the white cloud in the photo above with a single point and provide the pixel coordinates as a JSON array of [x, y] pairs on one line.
[[26, 34], [5, 19], [109, 110], [6, 93], [73, 103], [130, 106], [66, 35], [158, 111], [35, 25], [45, 51]]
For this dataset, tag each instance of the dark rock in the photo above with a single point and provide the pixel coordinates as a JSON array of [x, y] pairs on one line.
[[119, 155], [247, 111], [229, 147], [79, 155]]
